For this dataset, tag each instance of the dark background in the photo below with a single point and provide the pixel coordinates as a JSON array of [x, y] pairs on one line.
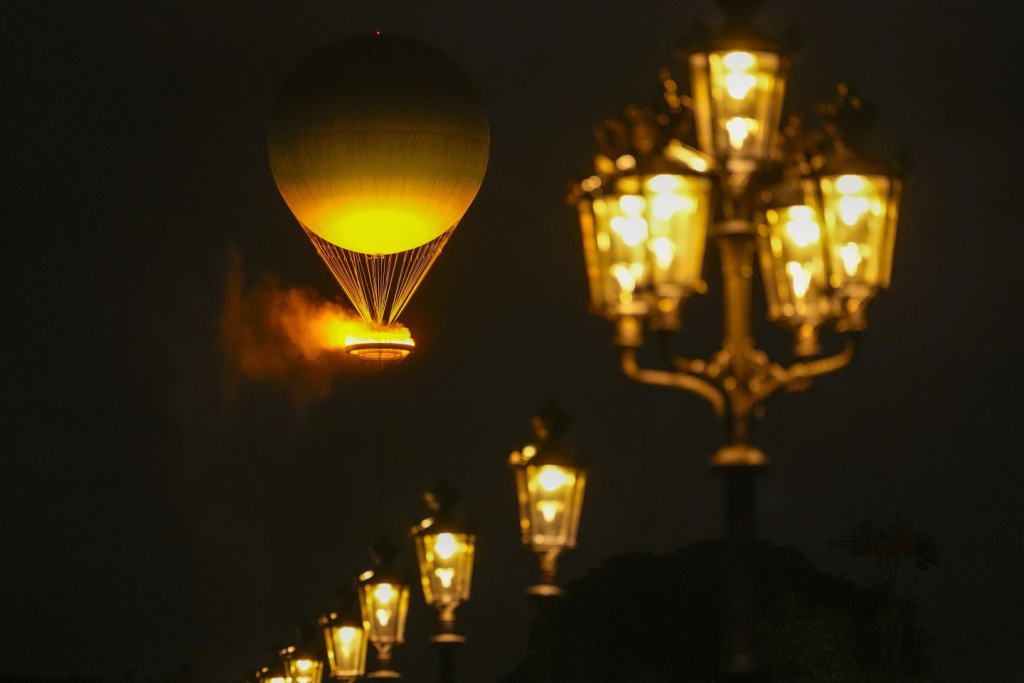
[[148, 518]]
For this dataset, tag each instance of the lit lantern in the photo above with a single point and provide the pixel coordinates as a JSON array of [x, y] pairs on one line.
[[857, 197], [795, 277], [644, 232], [301, 665], [737, 99], [384, 601], [345, 637], [738, 78], [550, 481], [859, 212], [445, 552]]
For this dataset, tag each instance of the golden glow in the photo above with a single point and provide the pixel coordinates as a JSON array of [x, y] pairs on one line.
[[739, 84], [631, 204], [625, 162], [664, 251], [633, 229], [529, 452], [738, 61], [445, 546], [737, 97], [664, 183], [346, 634], [852, 208], [552, 478], [851, 256], [793, 265], [445, 574], [802, 227], [549, 509], [394, 334], [860, 215], [383, 616], [739, 128], [303, 664], [850, 184], [361, 166], [800, 278], [622, 273], [384, 592], [666, 204], [277, 679]]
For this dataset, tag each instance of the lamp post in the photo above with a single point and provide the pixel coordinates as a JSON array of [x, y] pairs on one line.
[[345, 638], [384, 602], [445, 550], [550, 481], [811, 205]]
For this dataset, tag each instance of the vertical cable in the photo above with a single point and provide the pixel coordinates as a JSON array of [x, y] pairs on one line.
[[380, 442]]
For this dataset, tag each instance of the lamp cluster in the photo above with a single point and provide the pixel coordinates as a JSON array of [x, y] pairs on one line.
[[550, 480], [714, 162]]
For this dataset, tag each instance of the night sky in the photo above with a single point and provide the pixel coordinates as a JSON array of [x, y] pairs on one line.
[[150, 514]]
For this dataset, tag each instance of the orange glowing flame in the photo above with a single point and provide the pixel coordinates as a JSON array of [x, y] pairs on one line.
[[315, 327], [294, 338]]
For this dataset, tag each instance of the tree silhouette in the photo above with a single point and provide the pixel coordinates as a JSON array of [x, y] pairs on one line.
[[643, 617]]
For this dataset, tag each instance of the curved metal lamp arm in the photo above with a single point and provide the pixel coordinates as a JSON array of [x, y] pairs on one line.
[[799, 375], [823, 366], [678, 380], [681, 363]]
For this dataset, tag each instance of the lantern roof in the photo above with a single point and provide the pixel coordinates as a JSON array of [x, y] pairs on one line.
[[550, 447], [739, 31]]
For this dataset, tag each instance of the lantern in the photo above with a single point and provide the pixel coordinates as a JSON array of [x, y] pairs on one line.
[[384, 601], [738, 79], [301, 665], [445, 552], [795, 277], [345, 637], [859, 212], [737, 99], [644, 232], [550, 481]]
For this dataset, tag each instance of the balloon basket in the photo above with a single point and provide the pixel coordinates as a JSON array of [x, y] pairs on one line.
[[379, 350]]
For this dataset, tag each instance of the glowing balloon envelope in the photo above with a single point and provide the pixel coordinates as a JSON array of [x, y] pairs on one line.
[[378, 144]]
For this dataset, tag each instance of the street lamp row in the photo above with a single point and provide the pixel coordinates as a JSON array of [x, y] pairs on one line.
[[550, 481]]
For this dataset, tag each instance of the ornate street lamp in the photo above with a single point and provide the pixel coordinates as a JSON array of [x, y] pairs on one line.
[[301, 665], [550, 480], [445, 550], [815, 209], [345, 637], [384, 601]]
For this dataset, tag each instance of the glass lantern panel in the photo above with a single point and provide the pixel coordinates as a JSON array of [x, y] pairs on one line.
[[738, 101], [793, 265], [677, 209], [446, 566], [621, 233], [592, 257], [384, 609], [552, 506], [857, 215], [346, 650]]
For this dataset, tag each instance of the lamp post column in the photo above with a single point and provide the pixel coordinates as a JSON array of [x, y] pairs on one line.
[[545, 596], [736, 244], [447, 644]]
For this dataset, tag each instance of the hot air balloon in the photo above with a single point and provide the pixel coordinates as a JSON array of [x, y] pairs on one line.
[[378, 145]]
